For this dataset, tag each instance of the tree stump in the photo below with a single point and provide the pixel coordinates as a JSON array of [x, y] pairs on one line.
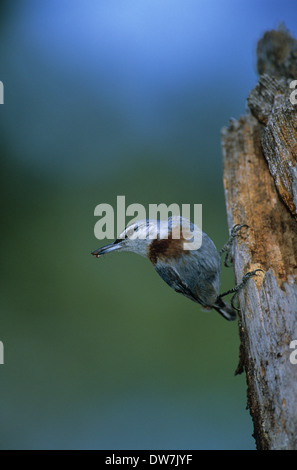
[[260, 181]]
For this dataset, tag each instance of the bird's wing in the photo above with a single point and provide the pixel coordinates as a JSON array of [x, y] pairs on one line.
[[197, 278], [170, 275]]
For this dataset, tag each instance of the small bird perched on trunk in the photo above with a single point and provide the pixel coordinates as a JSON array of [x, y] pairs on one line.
[[195, 273]]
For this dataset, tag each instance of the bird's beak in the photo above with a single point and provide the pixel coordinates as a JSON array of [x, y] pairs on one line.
[[106, 249]]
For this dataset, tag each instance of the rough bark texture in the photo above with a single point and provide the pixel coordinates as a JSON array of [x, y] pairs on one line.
[[260, 180]]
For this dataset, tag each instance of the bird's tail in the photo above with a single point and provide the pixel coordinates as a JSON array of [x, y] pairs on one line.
[[224, 309]]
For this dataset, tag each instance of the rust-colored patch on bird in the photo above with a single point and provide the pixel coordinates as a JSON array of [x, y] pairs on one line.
[[166, 248]]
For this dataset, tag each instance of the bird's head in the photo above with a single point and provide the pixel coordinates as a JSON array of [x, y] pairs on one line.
[[151, 238], [135, 238]]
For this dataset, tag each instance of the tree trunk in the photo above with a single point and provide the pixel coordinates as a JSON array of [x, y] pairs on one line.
[[260, 180]]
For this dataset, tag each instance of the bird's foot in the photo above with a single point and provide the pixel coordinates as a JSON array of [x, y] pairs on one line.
[[227, 248], [235, 290]]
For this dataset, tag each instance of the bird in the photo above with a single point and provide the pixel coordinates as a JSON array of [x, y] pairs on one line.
[[195, 273]]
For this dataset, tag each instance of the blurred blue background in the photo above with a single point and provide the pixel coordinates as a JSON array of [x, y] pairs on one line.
[[107, 98]]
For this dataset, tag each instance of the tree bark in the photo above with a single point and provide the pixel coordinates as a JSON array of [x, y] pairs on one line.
[[260, 181]]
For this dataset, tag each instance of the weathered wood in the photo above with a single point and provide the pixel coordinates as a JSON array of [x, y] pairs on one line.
[[260, 158], [270, 104]]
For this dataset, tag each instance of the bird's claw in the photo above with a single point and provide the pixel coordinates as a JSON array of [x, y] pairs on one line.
[[228, 261], [240, 286]]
